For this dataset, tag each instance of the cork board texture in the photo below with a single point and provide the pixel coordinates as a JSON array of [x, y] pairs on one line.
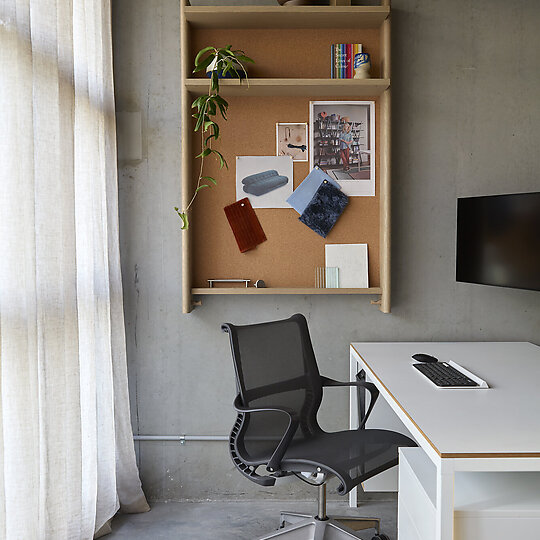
[[288, 53], [292, 252]]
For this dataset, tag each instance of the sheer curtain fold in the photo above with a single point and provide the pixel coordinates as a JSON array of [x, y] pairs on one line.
[[66, 449]]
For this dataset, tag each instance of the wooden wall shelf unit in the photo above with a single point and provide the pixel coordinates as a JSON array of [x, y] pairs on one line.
[[291, 47]]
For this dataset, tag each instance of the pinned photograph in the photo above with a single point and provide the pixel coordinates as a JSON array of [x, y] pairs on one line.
[[291, 140], [267, 181], [342, 140]]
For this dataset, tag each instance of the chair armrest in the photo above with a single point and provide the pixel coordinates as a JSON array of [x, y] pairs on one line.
[[373, 392], [294, 421]]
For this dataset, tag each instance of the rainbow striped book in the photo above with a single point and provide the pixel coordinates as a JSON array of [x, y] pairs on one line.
[[342, 59]]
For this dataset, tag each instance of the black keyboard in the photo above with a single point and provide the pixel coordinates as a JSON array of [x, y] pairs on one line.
[[443, 374]]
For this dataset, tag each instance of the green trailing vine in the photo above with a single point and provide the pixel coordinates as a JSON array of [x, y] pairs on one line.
[[209, 107]]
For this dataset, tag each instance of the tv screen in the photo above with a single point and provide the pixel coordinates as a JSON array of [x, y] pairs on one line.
[[498, 240]]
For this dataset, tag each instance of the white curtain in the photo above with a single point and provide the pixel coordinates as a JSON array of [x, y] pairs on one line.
[[67, 460]]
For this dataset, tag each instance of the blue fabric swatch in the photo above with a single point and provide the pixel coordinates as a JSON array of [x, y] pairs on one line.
[[324, 209], [303, 194]]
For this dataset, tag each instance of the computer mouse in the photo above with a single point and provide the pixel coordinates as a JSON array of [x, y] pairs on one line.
[[421, 357]]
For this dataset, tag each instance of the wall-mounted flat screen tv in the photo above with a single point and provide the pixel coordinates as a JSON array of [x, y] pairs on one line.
[[498, 240]]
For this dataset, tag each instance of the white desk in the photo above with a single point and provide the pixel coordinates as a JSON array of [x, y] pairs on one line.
[[497, 429]]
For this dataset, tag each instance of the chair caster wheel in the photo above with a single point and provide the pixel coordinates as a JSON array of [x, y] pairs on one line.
[[380, 537]]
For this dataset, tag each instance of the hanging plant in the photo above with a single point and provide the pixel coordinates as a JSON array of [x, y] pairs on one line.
[[219, 63]]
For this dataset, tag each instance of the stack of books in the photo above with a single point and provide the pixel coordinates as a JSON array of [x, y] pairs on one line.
[[343, 59]]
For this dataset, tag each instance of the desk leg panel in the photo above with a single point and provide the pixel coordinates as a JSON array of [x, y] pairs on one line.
[[444, 512]]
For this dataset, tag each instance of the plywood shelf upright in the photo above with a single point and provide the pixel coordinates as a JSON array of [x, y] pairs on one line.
[[280, 89]]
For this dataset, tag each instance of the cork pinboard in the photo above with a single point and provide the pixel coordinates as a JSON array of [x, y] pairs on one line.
[[292, 252]]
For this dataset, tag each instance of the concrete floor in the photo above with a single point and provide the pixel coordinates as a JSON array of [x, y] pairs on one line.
[[234, 520]]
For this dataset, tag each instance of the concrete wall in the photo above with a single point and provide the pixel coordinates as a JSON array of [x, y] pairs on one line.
[[466, 86]]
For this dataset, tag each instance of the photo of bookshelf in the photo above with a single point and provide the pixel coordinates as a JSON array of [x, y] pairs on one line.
[[342, 143]]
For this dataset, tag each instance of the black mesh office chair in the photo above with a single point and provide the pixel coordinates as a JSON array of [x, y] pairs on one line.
[[279, 394]]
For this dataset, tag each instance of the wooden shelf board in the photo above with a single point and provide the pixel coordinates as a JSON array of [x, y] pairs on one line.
[[293, 87], [286, 17], [276, 290]]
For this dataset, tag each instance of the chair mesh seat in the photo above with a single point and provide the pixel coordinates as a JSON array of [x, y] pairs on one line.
[[352, 456], [276, 369]]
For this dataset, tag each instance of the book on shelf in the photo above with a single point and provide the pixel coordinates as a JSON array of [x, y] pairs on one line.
[[342, 59]]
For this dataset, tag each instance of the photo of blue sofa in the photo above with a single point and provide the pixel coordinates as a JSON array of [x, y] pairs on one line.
[[264, 182]]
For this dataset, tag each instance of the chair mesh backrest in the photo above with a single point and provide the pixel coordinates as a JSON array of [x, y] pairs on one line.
[[275, 366]]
